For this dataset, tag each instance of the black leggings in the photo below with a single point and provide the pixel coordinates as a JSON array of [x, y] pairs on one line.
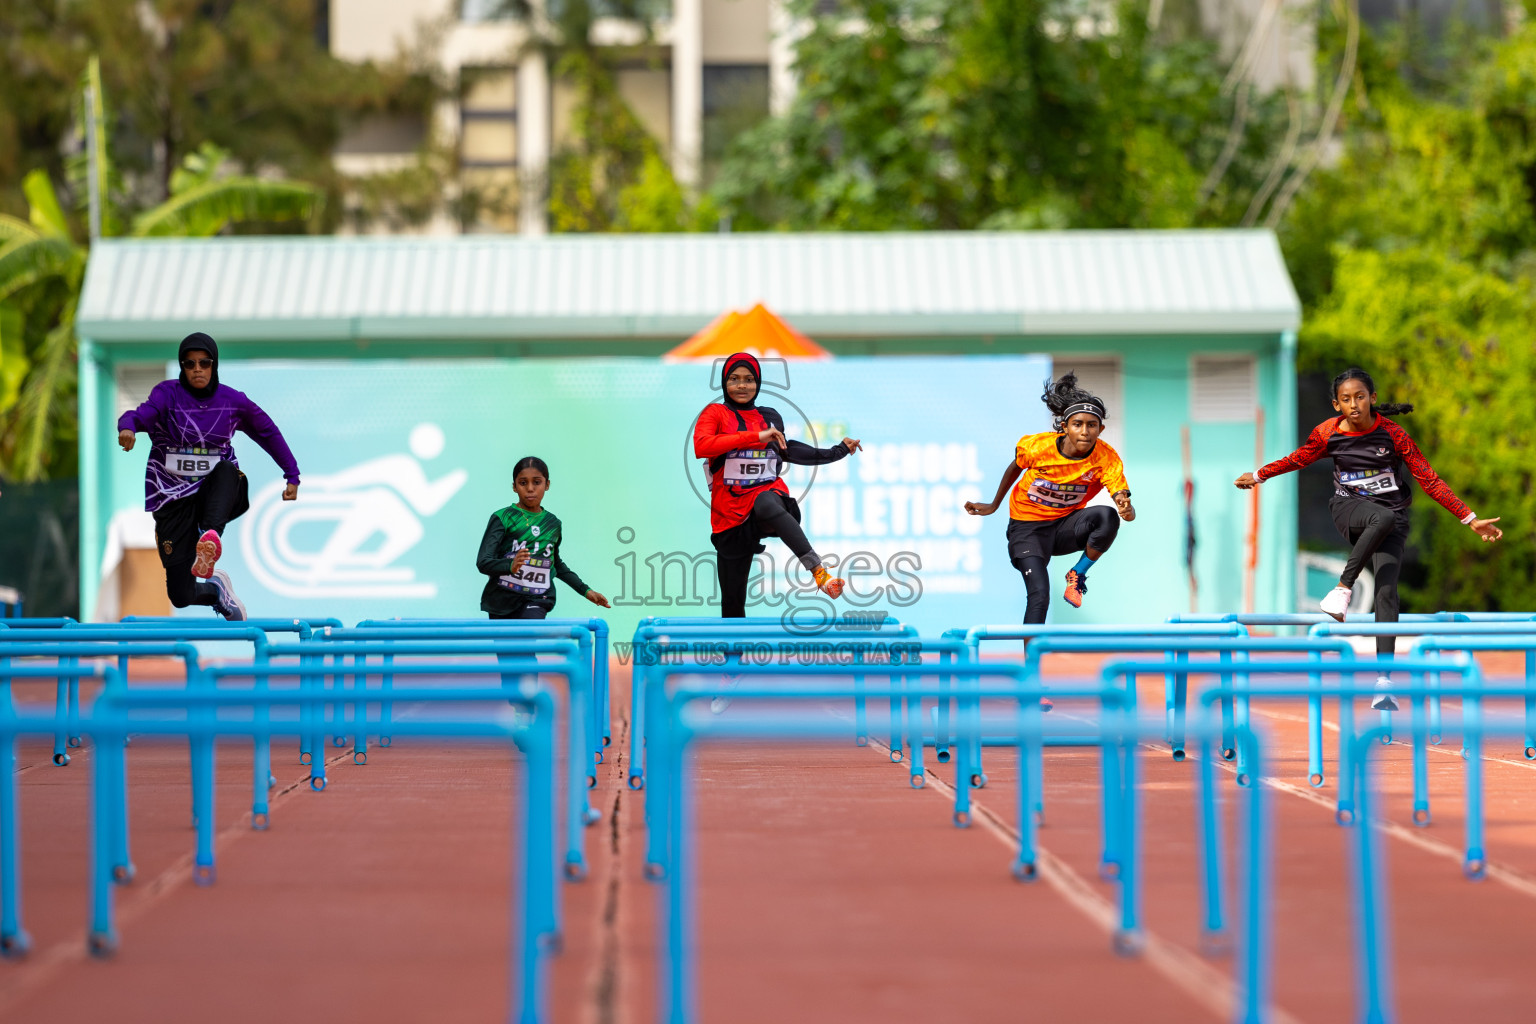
[[527, 611], [221, 496], [1031, 545], [772, 516], [1378, 534]]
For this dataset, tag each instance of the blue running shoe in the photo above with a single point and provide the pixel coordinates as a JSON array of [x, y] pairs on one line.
[[228, 605]]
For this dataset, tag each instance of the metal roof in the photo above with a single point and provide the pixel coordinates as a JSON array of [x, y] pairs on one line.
[[921, 284]]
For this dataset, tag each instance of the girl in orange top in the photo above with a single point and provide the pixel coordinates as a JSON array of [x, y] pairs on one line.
[[1049, 508]]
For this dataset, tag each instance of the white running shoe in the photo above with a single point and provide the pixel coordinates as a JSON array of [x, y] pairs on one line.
[[1336, 602], [719, 704], [1384, 700], [228, 605]]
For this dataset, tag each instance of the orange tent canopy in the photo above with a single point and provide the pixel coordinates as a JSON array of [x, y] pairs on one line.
[[757, 331]]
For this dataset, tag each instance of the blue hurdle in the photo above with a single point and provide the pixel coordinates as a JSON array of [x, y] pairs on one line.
[[601, 705], [69, 697], [67, 655], [975, 635], [708, 633], [574, 668], [681, 728], [898, 649], [600, 667], [486, 630], [118, 712]]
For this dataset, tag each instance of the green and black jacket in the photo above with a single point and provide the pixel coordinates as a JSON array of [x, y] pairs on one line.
[[511, 530]]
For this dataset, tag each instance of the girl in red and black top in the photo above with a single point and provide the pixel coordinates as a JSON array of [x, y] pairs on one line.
[[744, 445], [1373, 459]]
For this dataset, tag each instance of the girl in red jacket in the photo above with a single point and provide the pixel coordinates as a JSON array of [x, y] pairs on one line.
[[744, 445], [1374, 461]]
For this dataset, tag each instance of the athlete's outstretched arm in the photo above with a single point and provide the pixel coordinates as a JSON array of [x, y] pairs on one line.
[[568, 575], [802, 454], [259, 426], [1437, 488], [1315, 448], [1010, 477]]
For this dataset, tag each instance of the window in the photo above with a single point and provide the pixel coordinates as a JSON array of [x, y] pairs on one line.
[[1102, 376], [484, 10], [134, 383], [488, 117], [1223, 389], [735, 99]]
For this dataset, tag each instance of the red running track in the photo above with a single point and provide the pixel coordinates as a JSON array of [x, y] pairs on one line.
[[830, 890]]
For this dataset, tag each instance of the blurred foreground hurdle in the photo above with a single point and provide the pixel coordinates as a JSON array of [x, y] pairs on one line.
[[726, 642], [206, 714], [601, 703], [680, 725]]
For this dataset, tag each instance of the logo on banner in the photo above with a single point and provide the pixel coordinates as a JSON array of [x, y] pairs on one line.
[[349, 532]]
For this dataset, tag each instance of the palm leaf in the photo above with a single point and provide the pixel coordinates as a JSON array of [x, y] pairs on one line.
[[208, 208], [31, 426], [12, 228], [13, 355], [25, 262], [47, 214]]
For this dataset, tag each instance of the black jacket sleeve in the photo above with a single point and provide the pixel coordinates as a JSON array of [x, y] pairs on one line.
[[798, 452], [490, 544], [802, 454]]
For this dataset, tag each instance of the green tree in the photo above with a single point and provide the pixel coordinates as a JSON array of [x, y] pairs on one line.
[[251, 78], [42, 268], [914, 114], [1415, 257]]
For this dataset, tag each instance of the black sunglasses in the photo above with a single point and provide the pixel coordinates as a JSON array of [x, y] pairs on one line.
[[198, 364]]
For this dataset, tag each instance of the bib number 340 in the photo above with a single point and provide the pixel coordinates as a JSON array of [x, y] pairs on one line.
[[533, 578]]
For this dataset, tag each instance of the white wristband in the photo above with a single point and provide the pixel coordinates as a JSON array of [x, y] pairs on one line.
[[1467, 519]]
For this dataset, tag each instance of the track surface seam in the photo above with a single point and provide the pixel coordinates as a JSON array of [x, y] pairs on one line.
[[606, 976]]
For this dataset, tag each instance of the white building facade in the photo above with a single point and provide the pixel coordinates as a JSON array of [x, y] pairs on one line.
[[711, 67]]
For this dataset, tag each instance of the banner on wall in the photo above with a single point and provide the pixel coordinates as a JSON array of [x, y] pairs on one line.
[[404, 462]]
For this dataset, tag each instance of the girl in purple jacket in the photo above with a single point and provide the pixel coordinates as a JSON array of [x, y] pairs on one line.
[[193, 485]]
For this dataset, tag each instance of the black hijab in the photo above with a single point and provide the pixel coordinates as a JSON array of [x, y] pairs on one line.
[[199, 340]]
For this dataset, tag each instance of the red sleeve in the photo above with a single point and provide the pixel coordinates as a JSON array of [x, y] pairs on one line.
[[1315, 448], [1428, 479], [709, 440]]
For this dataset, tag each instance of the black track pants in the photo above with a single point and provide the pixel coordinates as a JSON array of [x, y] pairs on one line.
[[1032, 543], [1380, 535]]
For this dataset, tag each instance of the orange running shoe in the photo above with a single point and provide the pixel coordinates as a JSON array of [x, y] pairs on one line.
[[829, 585], [1077, 586]]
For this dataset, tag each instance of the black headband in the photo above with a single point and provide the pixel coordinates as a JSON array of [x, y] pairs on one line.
[[1091, 407]]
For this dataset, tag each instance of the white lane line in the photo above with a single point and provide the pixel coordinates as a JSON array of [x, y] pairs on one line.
[[1516, 880], [1332, 726], [1188, 972]]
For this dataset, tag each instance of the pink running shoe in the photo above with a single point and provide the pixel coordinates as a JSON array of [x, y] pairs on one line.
[[209, 548]]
